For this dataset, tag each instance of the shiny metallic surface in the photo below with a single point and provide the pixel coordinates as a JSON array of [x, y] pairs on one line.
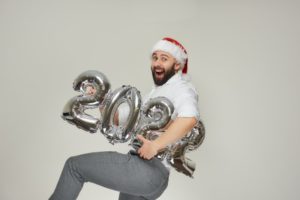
[[196, 137], [117, 133], [179, 162], [96, 79], [155, 115], [176, 156], [73, 111]]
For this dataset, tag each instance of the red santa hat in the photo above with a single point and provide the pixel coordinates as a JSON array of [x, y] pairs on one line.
[[174, 48]]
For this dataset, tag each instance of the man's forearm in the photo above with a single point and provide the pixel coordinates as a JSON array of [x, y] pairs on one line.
[[178, 129]]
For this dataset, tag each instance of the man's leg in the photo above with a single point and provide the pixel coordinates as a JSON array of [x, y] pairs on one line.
[[124, 196], [122, 172]]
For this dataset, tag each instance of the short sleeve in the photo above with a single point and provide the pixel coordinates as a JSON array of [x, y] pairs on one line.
[[186, 104]]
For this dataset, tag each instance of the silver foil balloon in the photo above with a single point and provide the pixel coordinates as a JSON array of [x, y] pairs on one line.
[[120, 133], [155, 115], [176, 156], [96, 79], [73, 111]]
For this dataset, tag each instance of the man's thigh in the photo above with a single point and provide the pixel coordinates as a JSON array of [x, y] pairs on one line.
[[121, 172], [124, 196]]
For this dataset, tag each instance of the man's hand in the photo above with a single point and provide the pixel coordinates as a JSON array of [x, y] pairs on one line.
[[148, 150], [90, 90]]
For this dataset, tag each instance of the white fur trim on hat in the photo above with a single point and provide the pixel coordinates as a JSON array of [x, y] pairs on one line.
[[169, 47]]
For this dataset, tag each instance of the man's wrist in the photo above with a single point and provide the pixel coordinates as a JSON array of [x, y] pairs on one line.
[[157, 145]]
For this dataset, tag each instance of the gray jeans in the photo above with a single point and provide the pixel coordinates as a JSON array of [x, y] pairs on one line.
[[135, 178]]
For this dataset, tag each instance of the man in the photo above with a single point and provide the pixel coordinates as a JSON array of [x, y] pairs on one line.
[[140, 175]]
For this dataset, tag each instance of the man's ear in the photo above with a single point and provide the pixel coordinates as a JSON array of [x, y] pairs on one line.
[[177, 66]]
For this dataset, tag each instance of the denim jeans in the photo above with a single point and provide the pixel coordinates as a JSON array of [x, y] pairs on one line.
[[134, 177]]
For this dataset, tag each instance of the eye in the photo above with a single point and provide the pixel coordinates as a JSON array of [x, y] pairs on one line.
[[164, 59], [154, 58]]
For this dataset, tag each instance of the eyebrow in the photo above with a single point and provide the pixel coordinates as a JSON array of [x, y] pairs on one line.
[[155, 54], [165, 55]]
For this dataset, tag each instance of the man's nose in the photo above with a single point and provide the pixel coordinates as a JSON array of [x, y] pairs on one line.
[[156, 63]]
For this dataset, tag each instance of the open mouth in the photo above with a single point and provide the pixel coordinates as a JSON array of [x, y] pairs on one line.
[[159, 73]]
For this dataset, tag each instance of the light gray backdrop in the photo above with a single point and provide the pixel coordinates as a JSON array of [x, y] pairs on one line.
[[244, 61]]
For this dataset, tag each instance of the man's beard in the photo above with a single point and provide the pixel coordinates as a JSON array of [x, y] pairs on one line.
[[167, 75]]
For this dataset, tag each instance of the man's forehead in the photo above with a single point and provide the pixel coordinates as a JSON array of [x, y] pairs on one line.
[[161, 53]]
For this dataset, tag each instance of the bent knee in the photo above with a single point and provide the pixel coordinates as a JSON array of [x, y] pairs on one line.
[[72, 162]]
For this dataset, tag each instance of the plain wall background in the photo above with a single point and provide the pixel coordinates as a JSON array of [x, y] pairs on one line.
[[244, 61]]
